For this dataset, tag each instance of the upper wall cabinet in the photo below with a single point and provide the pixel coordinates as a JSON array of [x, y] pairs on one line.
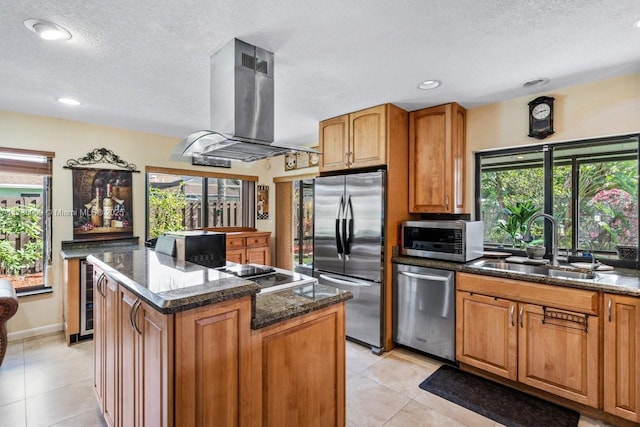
[[437, 159], [355, 140]]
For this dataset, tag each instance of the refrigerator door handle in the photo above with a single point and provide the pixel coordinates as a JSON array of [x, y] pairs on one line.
[[339, 247], [348, 228], [342, 282]]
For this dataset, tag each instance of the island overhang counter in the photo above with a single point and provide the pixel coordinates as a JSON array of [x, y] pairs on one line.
[[180, 344]]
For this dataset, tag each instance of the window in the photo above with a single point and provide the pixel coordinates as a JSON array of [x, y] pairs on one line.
[[303, 226], [25, 222], [185, 200], [590, 187]]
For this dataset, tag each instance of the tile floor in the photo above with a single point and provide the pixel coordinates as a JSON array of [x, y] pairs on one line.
[[45, 383]]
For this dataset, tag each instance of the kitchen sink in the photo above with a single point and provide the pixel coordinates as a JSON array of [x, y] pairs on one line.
[[542, 270]]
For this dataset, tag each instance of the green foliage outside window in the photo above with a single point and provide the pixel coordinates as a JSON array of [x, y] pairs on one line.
[[13, 222], [166, 210]]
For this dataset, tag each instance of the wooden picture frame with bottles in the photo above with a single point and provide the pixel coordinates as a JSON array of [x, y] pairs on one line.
[[102, 204]]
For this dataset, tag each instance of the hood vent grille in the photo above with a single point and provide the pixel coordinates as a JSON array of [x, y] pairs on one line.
[[255, 64]]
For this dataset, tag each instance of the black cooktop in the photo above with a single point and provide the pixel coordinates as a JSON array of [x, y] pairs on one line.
[[246, 270]]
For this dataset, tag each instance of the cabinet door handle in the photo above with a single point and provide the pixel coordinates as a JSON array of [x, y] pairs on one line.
[[609, 309], [99, 285], [511, 310], [520, 316], [132, 316], [346, 159], [446, 202]]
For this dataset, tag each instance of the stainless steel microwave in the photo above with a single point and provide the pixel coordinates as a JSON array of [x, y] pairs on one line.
[[454, 240]]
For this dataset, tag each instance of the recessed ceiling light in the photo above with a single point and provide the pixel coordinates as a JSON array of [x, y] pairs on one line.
[[429, 84], [540, 81], [68, 101], [47, 30], [637, 24]]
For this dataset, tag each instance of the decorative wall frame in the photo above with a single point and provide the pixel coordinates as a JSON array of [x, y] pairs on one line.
[[100, 155], [301, 160], [262, 204], [102, 204]]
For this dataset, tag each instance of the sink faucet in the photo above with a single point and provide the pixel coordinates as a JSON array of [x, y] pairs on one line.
[[594, 262], [554, 243]]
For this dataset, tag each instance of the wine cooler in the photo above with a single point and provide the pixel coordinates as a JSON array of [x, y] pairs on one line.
[[86, 300]]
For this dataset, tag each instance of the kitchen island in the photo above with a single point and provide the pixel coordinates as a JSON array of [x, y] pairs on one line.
[[180, 344]]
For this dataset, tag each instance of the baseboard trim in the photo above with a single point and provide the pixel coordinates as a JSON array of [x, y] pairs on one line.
[[34, 332]]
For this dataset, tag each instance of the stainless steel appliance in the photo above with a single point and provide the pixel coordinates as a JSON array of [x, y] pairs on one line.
[[424, 309], [348, 249], [86, 299], [200, 247], [458, 240], [242, 106]]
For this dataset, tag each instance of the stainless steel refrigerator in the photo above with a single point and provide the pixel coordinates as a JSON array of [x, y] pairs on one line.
[[348, 247]]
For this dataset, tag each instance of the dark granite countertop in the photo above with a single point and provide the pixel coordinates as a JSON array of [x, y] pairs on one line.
[[275, 307], [82, 249], [171, 286], [619, 281]]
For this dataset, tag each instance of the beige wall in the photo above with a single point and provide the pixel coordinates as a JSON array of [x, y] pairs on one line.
[[603, 108], [71, 140], [597, 109]]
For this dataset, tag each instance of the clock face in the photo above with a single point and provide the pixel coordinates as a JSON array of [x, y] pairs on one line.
[[541, 111]]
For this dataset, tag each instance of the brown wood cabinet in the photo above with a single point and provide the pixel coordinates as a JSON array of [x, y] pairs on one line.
[[622, 356], [486, 334], [437, 159], [558, 352], [357, 140], [213, 365], [145, 389], [71, 298], [105, 360], [522, 331], [249, 247], [294, 388]]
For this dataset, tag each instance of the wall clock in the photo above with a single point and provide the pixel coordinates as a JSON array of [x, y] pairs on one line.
[[541, 117]]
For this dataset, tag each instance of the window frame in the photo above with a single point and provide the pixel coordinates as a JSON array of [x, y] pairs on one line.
[[205, 188], [43, 169], [548, 150]]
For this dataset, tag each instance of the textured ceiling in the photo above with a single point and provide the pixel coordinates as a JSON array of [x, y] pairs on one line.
[[144, 64]]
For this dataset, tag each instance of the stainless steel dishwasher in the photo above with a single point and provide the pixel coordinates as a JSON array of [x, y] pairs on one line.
[[424, 315]]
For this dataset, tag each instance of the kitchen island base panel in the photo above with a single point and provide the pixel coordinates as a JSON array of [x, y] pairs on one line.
[[301, 388]]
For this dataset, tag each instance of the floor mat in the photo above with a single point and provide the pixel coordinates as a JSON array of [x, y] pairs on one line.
[[496, 401]]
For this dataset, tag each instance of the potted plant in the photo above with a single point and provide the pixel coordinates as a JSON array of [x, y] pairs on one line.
[[515, 223]]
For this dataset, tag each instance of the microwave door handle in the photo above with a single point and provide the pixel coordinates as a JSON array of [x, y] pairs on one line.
[[342, 282], [425, 276], [348, 228], [338, 235]]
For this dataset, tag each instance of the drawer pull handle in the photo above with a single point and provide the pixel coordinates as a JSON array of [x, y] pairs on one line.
[[552, 317], [425, 276], [511, 311]]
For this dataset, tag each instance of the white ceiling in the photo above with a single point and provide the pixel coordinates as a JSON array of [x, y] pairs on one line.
[[144, 65]]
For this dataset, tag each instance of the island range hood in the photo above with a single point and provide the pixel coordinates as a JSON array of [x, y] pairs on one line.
[[242, 89]]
